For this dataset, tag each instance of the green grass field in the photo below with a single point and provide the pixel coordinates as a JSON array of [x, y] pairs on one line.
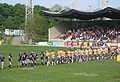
[[92, 71]]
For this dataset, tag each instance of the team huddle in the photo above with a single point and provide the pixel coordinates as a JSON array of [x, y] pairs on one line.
[[62, 56]]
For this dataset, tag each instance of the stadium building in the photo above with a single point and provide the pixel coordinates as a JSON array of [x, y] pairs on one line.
[[90, 28]]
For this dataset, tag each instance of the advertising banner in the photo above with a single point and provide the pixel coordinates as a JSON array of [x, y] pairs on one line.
[[75, 44], [71, 44], [42, 43], [57, 43]]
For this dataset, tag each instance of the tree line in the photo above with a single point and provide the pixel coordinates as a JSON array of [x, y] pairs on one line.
[[13, 17]]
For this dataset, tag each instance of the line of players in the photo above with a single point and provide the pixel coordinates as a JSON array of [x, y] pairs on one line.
[[72, 56], [27, 59], [62, 56]]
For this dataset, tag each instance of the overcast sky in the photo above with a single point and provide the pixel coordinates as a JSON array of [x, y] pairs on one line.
[[82, 4]]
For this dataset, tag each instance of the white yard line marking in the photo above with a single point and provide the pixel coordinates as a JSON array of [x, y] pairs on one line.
[[85, 74]]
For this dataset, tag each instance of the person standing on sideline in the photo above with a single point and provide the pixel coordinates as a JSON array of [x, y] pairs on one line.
[[10, 61], [2, 58], [42, 58]]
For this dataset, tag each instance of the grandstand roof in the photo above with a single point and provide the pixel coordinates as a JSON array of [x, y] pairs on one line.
[[108, 12]]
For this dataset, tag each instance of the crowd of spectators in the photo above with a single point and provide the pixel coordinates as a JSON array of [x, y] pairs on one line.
[[65, 34], [93, 33]]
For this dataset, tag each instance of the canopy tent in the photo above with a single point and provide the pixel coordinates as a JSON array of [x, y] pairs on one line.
[[108, 12]]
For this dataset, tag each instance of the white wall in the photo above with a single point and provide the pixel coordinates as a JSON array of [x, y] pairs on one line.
[[57, 30]]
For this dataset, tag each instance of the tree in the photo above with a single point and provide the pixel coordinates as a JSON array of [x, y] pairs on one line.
[[38, 8], [13, 17], [65, 8], [119, 8], [56, 8], [19, 15], [9, 23], [37, 27]]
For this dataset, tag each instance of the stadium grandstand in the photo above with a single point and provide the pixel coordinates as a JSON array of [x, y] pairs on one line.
[[98, 27]]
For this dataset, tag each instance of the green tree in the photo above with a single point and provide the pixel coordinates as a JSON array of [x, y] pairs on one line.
[[13, 17], [19, 15], [38, 9], [37, 28], [56, 8], [9, 23]]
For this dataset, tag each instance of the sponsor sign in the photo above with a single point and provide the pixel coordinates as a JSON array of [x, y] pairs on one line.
[[72, 44], [42, 43], [85, 44], [57, 43], [75, 44]]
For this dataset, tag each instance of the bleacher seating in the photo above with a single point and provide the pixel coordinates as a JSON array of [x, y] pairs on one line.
[[86, 32]]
